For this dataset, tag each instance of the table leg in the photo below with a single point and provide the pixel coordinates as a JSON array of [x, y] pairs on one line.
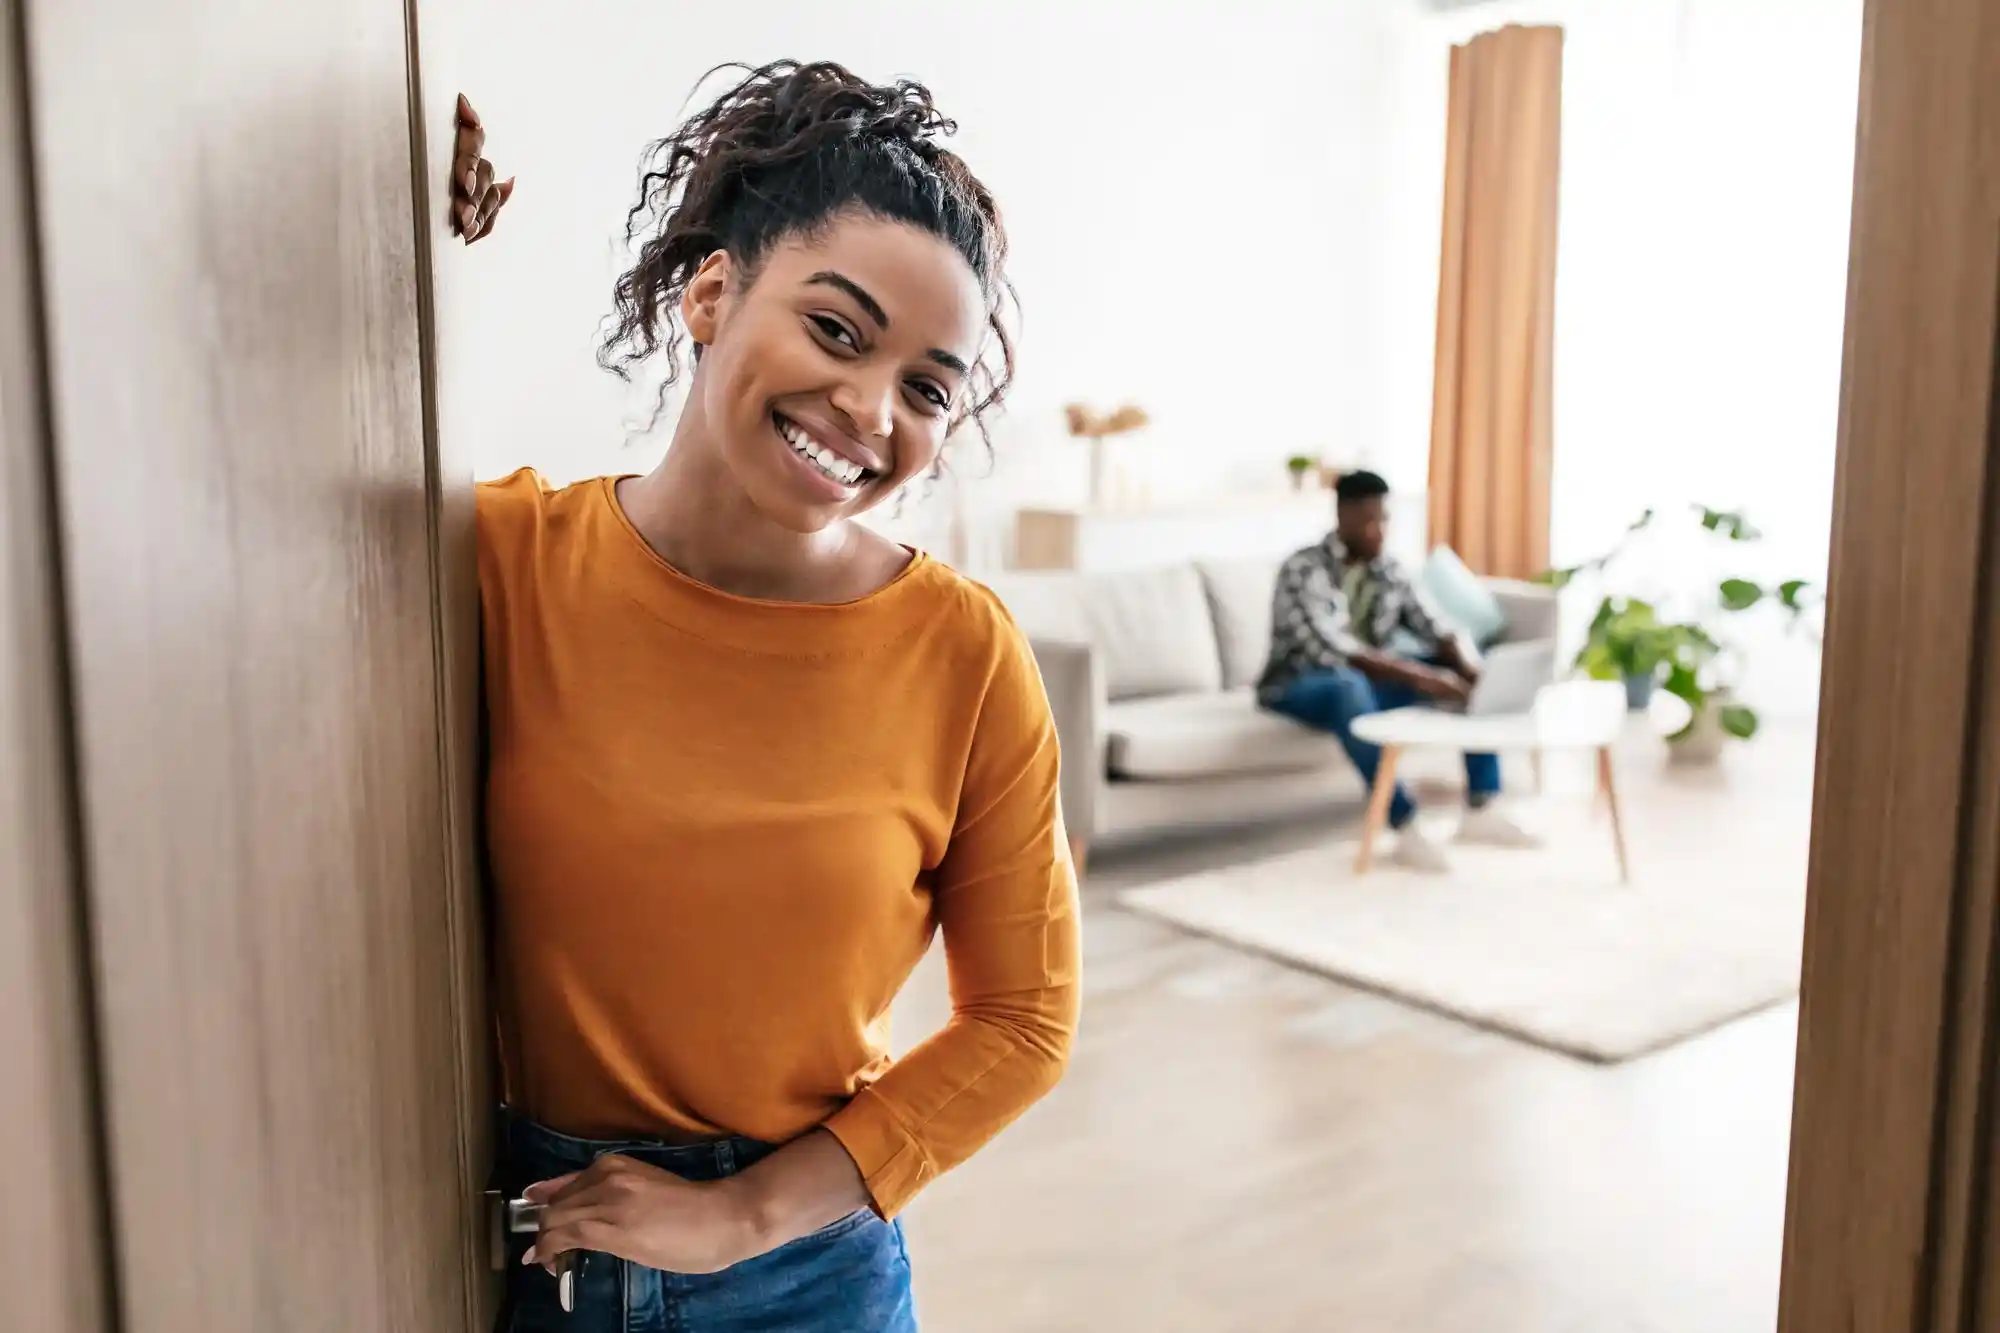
[[1378, 807], [1607, 786]]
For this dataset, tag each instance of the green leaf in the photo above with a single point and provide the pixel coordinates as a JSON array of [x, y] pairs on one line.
[[1637, 611], [1682, 683], [1788, 593], [1738, 720], [1740, 594], [1597, 661], [1729, 523], [1557, 578], [1644, 520]]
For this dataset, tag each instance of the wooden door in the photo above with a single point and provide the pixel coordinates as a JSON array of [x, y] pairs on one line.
[[1893, 1223], [291, 1050], [53, 1225]]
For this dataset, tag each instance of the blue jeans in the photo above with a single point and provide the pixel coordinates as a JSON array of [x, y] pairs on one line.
[[1330, 700], [851, 1277]]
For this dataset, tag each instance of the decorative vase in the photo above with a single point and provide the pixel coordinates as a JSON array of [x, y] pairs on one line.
[[1639, 692], [1702, 742], [1100, 472], [1298, 479]]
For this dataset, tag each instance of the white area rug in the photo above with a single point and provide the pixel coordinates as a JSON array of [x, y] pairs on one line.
[[1543, 945]]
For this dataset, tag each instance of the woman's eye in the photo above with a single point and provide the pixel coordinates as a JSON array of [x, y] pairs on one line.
[[835, 331], [931, 394]]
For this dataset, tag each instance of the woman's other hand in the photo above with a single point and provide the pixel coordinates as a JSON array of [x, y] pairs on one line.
[[623, 1207], [476, 198]]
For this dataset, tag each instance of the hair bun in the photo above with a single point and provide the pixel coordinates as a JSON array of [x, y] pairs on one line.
[[813, 103]]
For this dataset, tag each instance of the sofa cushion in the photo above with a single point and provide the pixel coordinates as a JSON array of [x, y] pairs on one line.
[[1466, 603], [1151, 627], [1239, 597], [1212, 734]]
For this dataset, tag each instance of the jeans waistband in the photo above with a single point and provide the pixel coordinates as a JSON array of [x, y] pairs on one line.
[[539, 1149]]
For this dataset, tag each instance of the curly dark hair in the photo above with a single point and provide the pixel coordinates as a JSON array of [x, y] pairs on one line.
[[785, 152]]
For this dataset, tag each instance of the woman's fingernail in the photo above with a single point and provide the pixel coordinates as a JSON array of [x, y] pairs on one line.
[[529, 1257]]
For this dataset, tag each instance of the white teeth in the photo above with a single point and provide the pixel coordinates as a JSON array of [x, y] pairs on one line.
[[827, 461]]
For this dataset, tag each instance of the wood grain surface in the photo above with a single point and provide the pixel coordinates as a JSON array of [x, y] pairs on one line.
[[52, 1226], [226, 201], [1891, 1206]]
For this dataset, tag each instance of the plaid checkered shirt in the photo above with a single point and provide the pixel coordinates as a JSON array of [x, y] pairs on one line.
[[1327, 607]]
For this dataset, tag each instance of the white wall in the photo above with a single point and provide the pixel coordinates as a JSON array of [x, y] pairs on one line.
[[1229, 213], [1190, 189], [1701, 271]]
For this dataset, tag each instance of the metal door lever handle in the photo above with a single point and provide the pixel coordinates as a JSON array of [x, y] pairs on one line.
[[522, 1218]]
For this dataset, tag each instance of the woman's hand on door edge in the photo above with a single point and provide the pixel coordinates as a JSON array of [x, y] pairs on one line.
[[476, 198]]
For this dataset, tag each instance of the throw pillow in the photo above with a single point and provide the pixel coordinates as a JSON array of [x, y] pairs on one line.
[[1463, 599]]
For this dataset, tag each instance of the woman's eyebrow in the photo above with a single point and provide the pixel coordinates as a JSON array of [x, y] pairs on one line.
[[827, 277]]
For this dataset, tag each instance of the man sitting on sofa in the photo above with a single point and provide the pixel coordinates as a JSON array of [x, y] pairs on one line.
[[1351, 634]]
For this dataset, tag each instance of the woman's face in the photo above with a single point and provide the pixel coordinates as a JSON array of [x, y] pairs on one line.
[[833, 377]]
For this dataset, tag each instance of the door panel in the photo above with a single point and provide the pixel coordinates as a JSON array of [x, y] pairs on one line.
[[52, 1226], [226, 194], [1893, 1222]]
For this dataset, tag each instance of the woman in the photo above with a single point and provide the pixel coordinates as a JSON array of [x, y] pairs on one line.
[[746, 755]]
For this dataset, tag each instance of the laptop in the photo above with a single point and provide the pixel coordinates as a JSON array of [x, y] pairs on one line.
[[1510, 676]]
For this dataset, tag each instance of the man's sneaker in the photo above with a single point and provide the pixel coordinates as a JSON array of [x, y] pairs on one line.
[[1416, 852], [1488, 826]]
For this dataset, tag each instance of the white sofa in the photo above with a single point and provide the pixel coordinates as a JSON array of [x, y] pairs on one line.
[[1151, 674]]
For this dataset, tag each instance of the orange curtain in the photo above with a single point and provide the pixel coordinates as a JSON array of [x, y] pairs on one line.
[[1490, 404]]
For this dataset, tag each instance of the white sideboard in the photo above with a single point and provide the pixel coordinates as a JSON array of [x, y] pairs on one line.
[[1219, 529]]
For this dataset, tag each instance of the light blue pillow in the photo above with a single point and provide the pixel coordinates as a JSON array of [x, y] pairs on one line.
[[1459, 595]]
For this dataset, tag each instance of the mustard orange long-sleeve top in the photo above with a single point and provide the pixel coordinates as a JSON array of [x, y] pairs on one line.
[[722, 832]]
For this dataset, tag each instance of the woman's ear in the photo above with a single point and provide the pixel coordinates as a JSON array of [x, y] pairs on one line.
[[701, 299]]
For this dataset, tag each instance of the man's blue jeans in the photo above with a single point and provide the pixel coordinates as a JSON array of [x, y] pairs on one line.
[[1331, 699]]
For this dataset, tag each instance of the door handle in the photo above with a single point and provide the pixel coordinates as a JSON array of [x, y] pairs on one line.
[[518, 1217], [508, 1217]]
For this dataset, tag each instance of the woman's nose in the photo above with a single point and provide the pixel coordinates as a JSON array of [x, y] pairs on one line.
[[870, 403]]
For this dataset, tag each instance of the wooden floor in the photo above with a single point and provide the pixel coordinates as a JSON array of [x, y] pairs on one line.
[[1242, 1146]]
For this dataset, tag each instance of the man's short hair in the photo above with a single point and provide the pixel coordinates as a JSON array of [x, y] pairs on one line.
[[1354, 486]]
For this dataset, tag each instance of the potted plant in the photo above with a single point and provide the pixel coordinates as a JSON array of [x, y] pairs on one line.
[[1300, 466], [1628, 642], [1690, 658]]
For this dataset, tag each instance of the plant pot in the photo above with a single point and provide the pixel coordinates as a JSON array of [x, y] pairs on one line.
[[1639, 692], [1702, 742], [1298, 479]]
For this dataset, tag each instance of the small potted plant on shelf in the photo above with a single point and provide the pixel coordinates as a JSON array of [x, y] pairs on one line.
[[1301, 466], [1691, 658]]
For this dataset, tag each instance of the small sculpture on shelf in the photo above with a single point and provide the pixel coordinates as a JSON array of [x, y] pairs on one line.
[[1087, 424]]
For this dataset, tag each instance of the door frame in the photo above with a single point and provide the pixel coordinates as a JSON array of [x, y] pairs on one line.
[[53, 1228], [1891, 1202], [1890, 1209]]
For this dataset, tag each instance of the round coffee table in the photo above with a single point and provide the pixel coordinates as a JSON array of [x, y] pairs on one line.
[[1573, 715]]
